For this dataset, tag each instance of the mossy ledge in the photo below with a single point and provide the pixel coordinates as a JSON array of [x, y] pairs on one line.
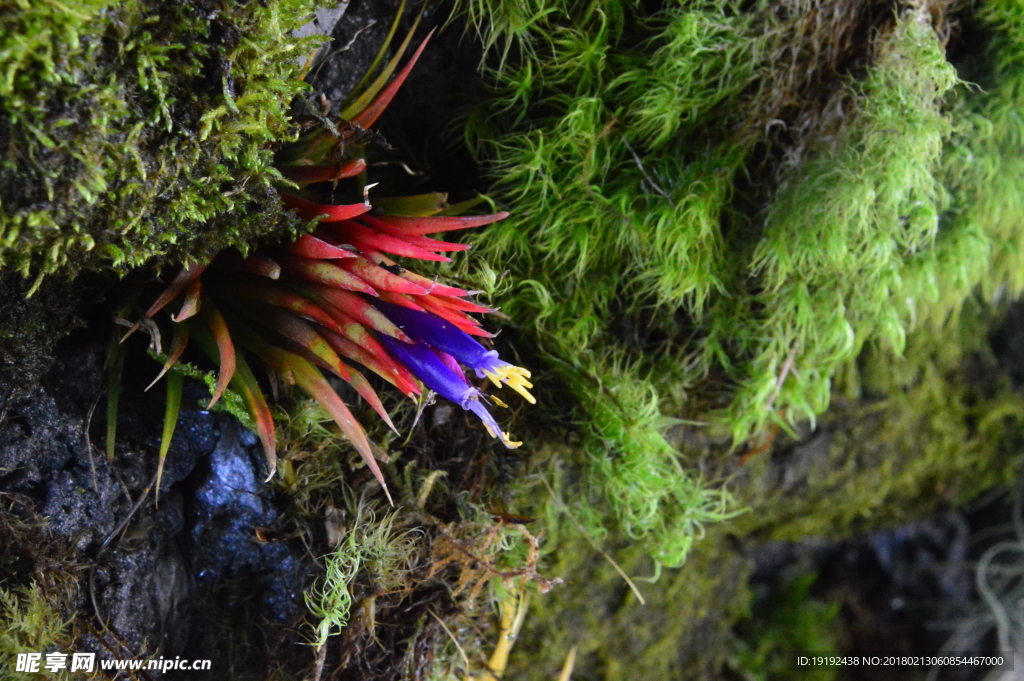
[[141, 129]]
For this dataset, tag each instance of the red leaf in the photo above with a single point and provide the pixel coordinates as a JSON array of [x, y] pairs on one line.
[[246, 385], [357, 333], [311, 174], [191, 304], [310, 380], [380, 278], [462, 321], [430, 285], [441, 223], [456, 303], [397, 376], [308, 210], [185, 277], [214, 321], [305, 336], [364, 238], [368, 116], [255, 263], [366, 391], [329, 274], [356, 307], [178, 346], [310, 246], [399, 299], [413, 239], [277, 294]]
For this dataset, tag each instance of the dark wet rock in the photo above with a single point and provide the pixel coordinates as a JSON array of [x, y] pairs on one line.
[[228, 504], [161, 569], [31, 326]]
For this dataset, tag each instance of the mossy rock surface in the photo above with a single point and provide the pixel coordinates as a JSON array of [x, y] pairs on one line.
[[701, 266], [141, 130]]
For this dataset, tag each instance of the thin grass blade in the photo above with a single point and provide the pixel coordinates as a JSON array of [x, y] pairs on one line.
[[174, 386], [378, 58], [115, 367]]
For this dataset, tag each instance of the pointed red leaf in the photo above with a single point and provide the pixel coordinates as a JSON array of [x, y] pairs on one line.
[[245, 384], [307, 210], [214, 321], [254, 263], [354, 306], [310, 246], [364, 238], [366, 391], [368, 116], [441, 223], [380, 278], [329, 274], [185, 277], [302, 334], [191, 305], [399, 299], [413, 239], [277, 294], [400, 377], [311, 174], [430, 285], [311, 381], [358, 334], [178, 346], [456, 303], [459, 319]]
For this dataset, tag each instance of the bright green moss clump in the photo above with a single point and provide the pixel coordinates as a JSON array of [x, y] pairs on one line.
[[717, 209], [140, 128]]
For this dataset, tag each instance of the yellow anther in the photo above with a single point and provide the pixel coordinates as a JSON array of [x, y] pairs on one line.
[[498, 402], [509, 442], [515, 378]]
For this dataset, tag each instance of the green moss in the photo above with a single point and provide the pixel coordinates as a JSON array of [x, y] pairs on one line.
[[838, 242], [139, 129], [29, 623], [678, 256], [682, 632], [794, 623]]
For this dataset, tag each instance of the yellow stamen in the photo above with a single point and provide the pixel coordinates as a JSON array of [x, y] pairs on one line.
[[515, 378], [506, 438], [498, 402]]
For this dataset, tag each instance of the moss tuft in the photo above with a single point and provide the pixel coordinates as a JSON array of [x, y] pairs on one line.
[[139, 129]]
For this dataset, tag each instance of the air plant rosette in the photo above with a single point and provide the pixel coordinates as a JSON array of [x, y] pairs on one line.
[[335, 300]]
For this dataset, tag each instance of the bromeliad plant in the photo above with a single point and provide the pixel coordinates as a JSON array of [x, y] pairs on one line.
[[334, 299]]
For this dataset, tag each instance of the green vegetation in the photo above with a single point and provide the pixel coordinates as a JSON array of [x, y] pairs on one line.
[[795, 623], [731, 222], [717, 212], [28, 623], [140, 129]]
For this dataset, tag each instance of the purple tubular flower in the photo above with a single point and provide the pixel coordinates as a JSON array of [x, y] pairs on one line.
[[446, 381], [446, 337]]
